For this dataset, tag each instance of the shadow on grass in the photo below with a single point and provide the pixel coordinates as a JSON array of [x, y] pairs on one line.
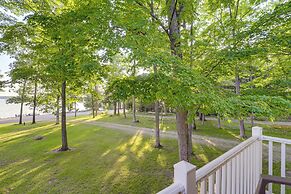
[[104, 161]]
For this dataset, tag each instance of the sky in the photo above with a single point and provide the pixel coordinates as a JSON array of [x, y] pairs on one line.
[[5, 60]]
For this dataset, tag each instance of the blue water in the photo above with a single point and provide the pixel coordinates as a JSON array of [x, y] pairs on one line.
[[10, 110]]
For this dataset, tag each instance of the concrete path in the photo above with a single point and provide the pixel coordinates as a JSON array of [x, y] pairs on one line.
[[225, 144], [233, 120]]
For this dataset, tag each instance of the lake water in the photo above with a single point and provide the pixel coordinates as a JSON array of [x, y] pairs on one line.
[[10, 110]]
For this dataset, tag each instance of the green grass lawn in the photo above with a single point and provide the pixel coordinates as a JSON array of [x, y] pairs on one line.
[[229, 130], [101, 160]]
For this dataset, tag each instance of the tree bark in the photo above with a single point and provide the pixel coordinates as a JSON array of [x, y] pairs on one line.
[[242, 128], [133, 110], [64, 122], [203, 118], [92, 104], [194, 124], [75, 109], [218, 121], [58, 110], [34, 103], [124, 111], [190, 144], [164, 108], [157, 120], [114, 108], [175, 44], [237, 91], [252, 119], [118, 107], [22, 101], [183, 135]]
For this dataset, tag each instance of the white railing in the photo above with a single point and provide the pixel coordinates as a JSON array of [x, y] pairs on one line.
[[283, 143], [236, 171]]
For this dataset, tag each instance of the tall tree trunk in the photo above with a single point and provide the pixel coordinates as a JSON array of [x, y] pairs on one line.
[[237, 91], [252, 120], [164, 108], [183, 135], [114, 107], [75, 109], [64, 122], [133, 110], [203, 118], [124, 111], [118, 107], [174, 37], [194, 124], [157, 120], [34, 102], [22, 102], [93, 106], [58, 110], [190, 144], [218, 121]]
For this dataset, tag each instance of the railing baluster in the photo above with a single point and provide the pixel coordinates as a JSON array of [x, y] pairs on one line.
[[228, 178], [283, 165], [248, 171], [233, 174], [270, 163], [223, 179], [237, 175], [218, 181], [245, 171], [251, 169], [254, 169], [203, 187], [211, 184]]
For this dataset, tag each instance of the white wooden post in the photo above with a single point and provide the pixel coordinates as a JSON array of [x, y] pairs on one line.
[[257, 132], [185, 174]]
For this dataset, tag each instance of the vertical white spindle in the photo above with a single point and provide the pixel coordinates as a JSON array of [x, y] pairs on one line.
[[223, 179], [211, 184], [218, 181], [245, 167], [228, 178], [248, 170], [256, 156], [242, 172], [238, 176], [251, 168], [283, 165], [233, 174], [203, 187], [270, 168]]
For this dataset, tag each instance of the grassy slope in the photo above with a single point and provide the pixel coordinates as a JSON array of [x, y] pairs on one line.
[[229, 131], [102, 160]]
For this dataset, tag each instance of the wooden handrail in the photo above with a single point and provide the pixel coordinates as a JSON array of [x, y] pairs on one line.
[[212, 166], [266, 179], [276, 139]]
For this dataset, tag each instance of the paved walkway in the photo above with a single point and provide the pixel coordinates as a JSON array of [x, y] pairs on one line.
[[224, 144], [233, 120]]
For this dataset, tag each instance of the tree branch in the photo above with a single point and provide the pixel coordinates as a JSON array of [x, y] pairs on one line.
[[154, 17]]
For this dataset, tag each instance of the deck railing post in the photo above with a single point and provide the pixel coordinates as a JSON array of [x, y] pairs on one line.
[[258, 132], [185, 174]]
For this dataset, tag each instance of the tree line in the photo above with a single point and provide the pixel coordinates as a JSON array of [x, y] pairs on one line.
[[230, 58]]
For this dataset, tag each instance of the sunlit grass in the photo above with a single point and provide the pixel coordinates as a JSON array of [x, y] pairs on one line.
[[101, 160]]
